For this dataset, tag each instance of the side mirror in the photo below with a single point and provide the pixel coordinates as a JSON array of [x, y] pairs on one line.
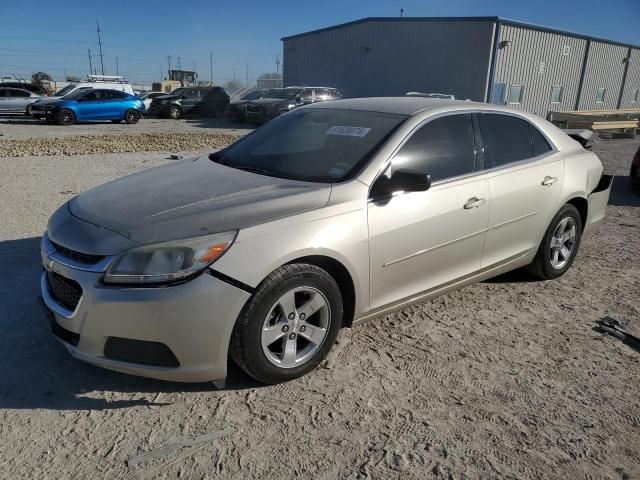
[[402, 180]]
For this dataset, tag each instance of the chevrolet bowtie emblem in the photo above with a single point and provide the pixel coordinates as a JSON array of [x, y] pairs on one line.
[[49, 264]]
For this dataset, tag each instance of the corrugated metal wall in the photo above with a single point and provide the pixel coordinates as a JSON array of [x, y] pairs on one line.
[[605, 69], [380, 58], [519, 63], [632, 83]]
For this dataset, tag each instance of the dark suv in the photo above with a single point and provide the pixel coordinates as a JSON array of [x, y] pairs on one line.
[[282, 100], [235, 109], [203, 101]]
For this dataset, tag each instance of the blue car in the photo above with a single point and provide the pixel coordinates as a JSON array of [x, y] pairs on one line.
[[94, 104]]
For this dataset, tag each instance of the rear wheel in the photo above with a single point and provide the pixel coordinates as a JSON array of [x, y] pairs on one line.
[[174, 113], [66, 117], [131, 116], [559, 245], [289, 325]]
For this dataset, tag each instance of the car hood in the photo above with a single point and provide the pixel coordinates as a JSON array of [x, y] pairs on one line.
[[44, 101], [193, 197]]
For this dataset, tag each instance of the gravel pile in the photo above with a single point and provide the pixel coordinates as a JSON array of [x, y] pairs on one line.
[[100, 144]]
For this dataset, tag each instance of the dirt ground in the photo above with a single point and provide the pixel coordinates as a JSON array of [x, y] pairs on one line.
[[503, 379]]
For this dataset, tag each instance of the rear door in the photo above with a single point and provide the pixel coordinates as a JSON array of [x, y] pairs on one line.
[[421, 240], [116, 104], [525, 177]]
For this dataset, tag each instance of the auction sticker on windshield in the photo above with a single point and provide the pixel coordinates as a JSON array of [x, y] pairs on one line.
[[348, 131]]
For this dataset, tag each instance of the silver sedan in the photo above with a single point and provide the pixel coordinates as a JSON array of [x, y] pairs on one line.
[[328, 216], [16, 100]]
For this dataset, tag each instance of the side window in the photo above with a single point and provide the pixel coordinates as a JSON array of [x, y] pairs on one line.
[[506, 139], [600, 95], [322, 94], [191, 93], [18, 93], [117, 95], [90, 96], [442, 148], [556, 94], [540, 144], [307, 95]]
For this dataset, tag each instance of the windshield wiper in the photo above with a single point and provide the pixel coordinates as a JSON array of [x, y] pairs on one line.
[[260, 171]]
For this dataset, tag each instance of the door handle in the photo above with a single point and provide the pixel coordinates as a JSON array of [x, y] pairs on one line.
[[473, 202], [548, 181]]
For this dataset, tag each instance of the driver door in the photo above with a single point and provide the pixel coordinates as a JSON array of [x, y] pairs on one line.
[[421, 240]]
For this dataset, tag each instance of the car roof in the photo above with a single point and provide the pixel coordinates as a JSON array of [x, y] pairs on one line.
[[402, 105]]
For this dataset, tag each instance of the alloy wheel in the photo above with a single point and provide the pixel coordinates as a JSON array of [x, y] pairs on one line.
[[563, 243], [296, 327]]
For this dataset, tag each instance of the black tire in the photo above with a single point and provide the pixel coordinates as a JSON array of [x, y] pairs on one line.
[[28, 110], [65, 117], [131, 116], [542, 266], [174, 112], [246, 340]]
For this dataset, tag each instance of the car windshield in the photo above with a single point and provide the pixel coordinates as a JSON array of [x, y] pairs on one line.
[[283, 93], [62, 92], [312, 145], [178, 91]]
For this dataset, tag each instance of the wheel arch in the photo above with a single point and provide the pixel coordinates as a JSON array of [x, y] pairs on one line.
[[582, 205], [343, 278]]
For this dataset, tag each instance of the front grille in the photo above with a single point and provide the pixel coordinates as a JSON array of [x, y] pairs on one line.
[[64, 291], [75, 255]]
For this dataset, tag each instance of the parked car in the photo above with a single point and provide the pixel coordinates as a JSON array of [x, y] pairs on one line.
[[94, 82], [204, 101], [16, 100], [31, 87], [235, 109], [148, 97], [634, 174], [94, 104], [282, 100], [327, 216]]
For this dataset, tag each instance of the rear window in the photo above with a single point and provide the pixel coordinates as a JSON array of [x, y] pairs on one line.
[[540, 144], [506, 139]]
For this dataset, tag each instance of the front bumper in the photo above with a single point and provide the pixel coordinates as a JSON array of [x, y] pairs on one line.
[[193, 319]]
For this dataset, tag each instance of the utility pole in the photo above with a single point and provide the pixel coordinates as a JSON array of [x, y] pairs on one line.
[[211, 67], [117, 69], [169, 59], [179, 66], [100, 44], [278, 65], [90, 65]]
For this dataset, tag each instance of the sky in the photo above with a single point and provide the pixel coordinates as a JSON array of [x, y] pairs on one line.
[[243, 36]]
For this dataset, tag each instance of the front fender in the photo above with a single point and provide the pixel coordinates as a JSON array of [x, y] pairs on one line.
[[260, 250]]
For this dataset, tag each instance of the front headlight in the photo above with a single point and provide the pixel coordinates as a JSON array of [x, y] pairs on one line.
[[170, 261]]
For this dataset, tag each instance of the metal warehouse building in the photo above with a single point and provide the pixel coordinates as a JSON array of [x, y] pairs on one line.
[[480, 58]]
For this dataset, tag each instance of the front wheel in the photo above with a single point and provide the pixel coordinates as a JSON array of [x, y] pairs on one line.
[[559, 245], [131, 116], [66, 117], [174, 113], [289, 325]]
